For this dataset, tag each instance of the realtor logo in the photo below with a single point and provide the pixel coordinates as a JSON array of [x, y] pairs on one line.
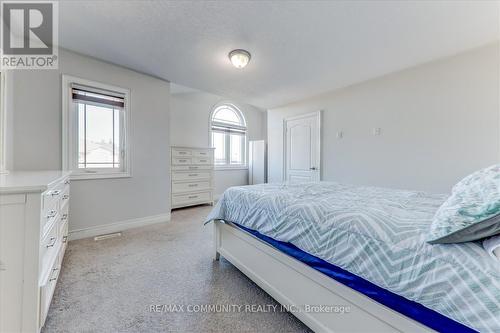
[[29, 35]]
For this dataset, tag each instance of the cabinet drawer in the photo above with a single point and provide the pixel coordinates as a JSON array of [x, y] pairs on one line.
[[202, 160], [201, 153], [190, 175], [179, 152], [49, 246], [191, 186], [63, 224], [192, 167], [63, 236], [181, 160], [50, 199], [48, 218], [47, 291], [191, 198], [64, 197]]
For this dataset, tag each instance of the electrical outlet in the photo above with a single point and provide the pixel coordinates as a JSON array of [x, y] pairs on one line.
[[340, 135], [377, 131]]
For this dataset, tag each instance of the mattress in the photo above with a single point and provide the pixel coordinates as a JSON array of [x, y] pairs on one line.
[[378, 235]]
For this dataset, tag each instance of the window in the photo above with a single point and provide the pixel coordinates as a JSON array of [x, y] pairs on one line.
[[228, 136], [96, 119]]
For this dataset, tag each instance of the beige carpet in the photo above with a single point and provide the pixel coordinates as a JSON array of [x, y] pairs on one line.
[[110, 285]]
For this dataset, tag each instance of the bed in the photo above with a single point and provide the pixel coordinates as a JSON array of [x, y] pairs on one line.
[[366, 236]]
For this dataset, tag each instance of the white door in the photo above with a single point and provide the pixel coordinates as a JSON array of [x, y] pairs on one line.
[[302, 148]]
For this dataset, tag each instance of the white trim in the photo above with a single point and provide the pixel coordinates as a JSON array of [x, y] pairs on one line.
[[245, 141], [303, 285], [318, 114], [99, 175], [118, 226], [3, 125], [67, 131]]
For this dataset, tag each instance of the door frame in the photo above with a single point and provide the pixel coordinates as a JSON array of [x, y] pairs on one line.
[[318, 115]]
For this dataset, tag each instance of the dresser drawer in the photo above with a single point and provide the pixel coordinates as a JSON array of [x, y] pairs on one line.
[[47, 290], [191, 198], [201, 153], [181, 160], [50, 200], [48, 248], [202, 160], [63, 223], [48, 219], [64, 197], [63, 236], [191, 186], [191, 175], [179, 152], [192, 167]]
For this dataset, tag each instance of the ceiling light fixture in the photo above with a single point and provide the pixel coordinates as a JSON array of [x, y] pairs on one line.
[[239, 58]]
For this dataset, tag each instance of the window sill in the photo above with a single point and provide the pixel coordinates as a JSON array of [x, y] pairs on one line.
[[99, 175], [225, 168]]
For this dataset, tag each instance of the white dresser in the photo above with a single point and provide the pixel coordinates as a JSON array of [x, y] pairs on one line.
[[33, 237], [192, 176]]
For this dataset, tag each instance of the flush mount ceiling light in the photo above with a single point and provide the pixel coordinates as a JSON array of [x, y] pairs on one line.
[[239, 58]]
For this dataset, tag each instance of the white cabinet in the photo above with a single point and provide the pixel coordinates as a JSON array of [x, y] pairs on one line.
[[192, 176], [34, 208]]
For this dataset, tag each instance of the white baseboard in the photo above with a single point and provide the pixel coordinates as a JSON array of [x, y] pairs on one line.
[[118, 226]]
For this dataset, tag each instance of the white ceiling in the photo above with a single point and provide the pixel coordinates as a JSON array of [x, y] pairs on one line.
[[298, 48]]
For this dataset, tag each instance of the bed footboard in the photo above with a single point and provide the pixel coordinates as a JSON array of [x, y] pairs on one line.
[[304, 290]]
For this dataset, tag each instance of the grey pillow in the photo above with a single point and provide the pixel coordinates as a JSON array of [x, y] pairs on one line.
[[487, 228], [472, 211]]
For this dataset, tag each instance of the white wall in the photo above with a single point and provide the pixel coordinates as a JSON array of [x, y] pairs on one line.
[[9, 121], [440, 121], [190, 113], [37, 140]]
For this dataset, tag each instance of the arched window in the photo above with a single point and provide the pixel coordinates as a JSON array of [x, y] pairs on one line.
[[228, 136]]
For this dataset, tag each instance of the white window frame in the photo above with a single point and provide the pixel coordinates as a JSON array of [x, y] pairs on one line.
[[3, 126], [70, 132], [229, 166]]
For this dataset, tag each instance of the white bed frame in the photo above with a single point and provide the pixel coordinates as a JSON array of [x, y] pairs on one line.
[[294, 285]]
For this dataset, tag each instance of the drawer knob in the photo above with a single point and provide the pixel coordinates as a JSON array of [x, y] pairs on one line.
[[65, 197], [54, 193], [193, 175], [65, 239], [64, 217], [193, 167], [193, 185], [67, 182], [193, 197], [53, 240]]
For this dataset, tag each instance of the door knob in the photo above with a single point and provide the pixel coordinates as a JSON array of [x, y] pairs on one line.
[[312, 168]]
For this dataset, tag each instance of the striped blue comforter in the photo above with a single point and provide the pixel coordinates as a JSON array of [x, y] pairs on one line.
[[378, 234]]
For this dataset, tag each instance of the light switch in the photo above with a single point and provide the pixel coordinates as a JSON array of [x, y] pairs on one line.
[[377, 131], [340, 135]]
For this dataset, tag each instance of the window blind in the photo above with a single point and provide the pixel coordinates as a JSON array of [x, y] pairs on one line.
[[97, 96], [228, 129]]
